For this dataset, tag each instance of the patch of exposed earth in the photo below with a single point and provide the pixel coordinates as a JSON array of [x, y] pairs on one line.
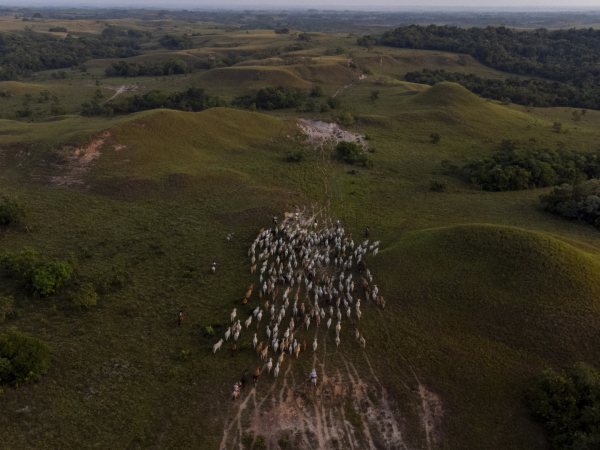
[[317, 418], [319, 133], [78, 160]]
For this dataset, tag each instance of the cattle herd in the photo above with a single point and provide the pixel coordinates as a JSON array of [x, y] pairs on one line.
[[319, 273]]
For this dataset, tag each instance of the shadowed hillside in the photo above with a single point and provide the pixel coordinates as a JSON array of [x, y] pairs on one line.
[[481, 308]]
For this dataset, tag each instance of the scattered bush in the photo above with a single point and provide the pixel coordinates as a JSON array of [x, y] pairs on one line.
[[37, 274], [14, 211], [325, 107], [23, 359], [304, 37], [86, 296], [374, 95], [438, 186], [282, 31], [58, 30], [567, 405], [435, 138]]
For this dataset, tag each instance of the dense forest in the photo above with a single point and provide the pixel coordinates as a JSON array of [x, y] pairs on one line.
[[516, 169], [529, 92], [125, 69], [580, 201], [23, 54], [568, 56]]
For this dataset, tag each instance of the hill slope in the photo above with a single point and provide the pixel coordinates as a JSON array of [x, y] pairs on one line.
[[481, 309]]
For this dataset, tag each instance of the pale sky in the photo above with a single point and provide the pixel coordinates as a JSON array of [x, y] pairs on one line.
[[362, 5]]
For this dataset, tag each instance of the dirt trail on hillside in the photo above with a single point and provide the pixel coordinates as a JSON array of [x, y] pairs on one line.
[[118, 89]]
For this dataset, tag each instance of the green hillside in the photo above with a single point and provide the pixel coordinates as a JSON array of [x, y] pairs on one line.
[[480, 309], [483, 290]]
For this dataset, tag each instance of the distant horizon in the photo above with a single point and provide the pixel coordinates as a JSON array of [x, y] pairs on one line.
[[347, 5]]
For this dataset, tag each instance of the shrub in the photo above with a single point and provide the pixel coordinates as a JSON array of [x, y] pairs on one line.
[[325, 107], [567, 406], [247, 438], [298, 156], [14, 212], [23, 358], [347, 119], [209, 332], [435, 138], [438, 186], [333, 102], [284, 441], [316, 91], [6, 307], [348, 151], [38, 275], [86, 296], [260, 443]]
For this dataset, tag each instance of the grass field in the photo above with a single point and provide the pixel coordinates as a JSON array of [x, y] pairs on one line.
[[483, 290]]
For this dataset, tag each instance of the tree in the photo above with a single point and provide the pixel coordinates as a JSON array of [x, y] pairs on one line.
[[86, 296], [14, 212], [23, 359], [505, 101], [435, 138], [567, 404], [347, 119]]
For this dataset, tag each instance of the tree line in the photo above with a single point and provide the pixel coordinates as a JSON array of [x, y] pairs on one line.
[[23, 54], [568, 56], [528, 92], [517, 169], [193, 99], [127, 69]]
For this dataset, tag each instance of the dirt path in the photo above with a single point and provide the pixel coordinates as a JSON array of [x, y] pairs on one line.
[[118, 89]]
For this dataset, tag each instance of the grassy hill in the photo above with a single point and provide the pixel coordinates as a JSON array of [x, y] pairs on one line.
[[484, 290], [480, 309]]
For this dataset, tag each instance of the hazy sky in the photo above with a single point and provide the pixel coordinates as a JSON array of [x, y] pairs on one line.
[[325, 4]]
